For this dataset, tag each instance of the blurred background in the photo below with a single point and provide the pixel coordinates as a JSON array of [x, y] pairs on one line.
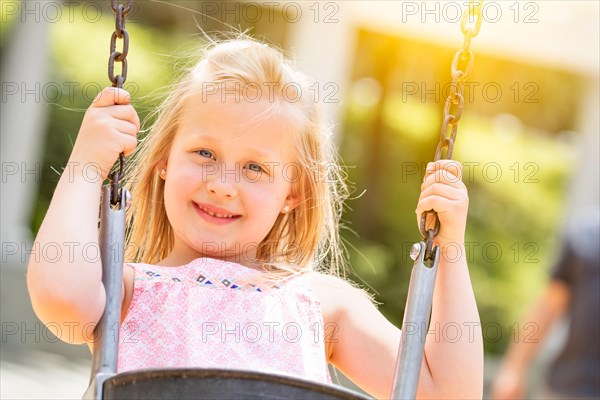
[[528, 137]]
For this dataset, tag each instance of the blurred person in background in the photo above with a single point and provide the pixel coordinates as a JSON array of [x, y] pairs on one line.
[[572, 292]]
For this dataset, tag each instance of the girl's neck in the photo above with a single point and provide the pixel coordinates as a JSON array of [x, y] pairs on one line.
[[176, 260]]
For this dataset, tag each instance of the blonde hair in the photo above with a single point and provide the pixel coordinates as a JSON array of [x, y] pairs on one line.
[[306, 238]]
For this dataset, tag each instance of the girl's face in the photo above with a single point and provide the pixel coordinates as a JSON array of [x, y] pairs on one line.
[[229, 174]]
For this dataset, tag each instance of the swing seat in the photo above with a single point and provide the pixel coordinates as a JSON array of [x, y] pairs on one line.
[[217, 384]]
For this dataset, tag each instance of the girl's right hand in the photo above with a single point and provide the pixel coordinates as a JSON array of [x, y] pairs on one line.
[[109, 127]]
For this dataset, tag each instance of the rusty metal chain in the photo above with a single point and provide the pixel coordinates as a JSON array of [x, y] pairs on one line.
[[120, 32], [462, 64]]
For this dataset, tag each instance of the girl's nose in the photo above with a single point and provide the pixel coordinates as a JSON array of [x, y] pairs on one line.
[[224, 182]]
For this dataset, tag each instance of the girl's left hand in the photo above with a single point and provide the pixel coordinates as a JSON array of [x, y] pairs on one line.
[[444, 191]]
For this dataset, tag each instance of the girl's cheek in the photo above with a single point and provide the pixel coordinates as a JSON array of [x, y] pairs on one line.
[[196, 173]]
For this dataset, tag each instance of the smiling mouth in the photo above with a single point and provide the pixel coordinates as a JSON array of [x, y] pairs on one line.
[[216, 214]]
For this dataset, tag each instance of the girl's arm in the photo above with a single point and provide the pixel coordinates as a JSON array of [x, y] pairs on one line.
[[67, 289], [365, 345], [454, 346], [361, 342]]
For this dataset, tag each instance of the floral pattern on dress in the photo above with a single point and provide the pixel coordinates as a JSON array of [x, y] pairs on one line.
[[197, 316]]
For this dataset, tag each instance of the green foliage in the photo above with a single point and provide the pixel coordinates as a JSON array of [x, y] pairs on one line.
[[8, 17], [515, 179]]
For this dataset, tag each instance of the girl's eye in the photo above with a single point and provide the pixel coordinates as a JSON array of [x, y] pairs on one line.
[[255, 167], [206, 153]]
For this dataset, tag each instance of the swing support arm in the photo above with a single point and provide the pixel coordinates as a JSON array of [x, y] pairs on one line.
[[106, 333], [416, 323]]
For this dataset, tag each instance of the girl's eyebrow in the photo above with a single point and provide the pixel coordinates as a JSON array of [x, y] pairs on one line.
[[261, 154]]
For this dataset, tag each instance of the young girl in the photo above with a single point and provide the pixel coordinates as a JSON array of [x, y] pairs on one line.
[[233, 243]]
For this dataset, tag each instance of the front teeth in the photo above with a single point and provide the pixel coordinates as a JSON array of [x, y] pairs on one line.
[[218, 215]]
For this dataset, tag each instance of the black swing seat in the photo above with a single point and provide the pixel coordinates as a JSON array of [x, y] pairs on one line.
[[217, 384]]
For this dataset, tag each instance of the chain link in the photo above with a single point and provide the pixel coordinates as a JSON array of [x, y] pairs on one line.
[[120, 32], [115, 3], [462, 64]]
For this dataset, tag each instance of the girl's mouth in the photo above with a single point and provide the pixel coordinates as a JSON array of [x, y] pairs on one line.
[[215, 215]]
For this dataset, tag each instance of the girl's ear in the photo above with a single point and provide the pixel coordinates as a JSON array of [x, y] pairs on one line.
[[291, 201], [161, 169]]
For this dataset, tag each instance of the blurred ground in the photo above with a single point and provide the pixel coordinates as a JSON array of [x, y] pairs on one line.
[[36, 374], [45, 375]]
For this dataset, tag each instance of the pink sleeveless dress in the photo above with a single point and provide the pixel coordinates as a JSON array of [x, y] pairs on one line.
[[197, 316]]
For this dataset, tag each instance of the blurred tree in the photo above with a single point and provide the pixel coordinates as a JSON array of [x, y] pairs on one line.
[[515, 171]]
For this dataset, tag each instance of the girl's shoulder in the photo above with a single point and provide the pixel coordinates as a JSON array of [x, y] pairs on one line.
[[335, 294], [344, 308]]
